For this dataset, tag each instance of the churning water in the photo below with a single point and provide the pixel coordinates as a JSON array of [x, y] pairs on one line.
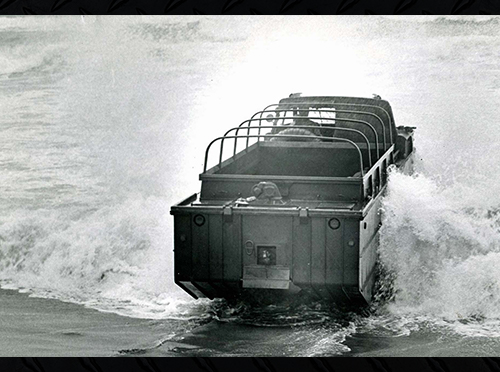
[[104, 122]]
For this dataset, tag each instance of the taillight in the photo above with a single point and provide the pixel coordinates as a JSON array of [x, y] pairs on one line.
[[266, 255], [334, 223], [199, 220]]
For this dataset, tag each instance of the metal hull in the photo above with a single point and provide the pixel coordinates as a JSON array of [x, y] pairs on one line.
[[219, 258], [314, 230]]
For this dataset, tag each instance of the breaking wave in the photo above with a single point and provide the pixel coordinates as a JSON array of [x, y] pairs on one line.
[[112, 258], [442, 250], [85, 214]]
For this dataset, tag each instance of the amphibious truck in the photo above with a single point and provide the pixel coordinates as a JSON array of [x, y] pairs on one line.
[[291, 202]]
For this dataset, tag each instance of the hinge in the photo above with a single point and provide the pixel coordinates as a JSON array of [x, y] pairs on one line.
[[303, 215], [228, 214]]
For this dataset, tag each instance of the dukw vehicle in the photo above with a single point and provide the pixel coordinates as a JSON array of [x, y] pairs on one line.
[[292, 203]]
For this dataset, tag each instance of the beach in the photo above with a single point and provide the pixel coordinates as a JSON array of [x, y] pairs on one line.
[[42, 327]]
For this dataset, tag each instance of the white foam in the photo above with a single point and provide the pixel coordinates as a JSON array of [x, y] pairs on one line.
[[443, 249]]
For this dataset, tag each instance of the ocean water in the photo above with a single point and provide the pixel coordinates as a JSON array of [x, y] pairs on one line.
[[104, 122]]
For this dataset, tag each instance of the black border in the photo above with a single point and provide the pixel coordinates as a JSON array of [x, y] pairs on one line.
[[212, 364], [250, 7]]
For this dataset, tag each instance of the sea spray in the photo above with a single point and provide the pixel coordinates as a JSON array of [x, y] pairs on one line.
[[440, 249], [111, 258], [91, 173]]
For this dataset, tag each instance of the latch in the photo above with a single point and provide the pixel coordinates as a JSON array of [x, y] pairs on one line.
[[227, 212], [303, 215]]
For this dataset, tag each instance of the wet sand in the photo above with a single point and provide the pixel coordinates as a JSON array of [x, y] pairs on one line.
[[45, 327], [38, 327]]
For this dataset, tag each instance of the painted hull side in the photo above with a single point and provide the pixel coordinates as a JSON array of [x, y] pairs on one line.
[[214, 260]]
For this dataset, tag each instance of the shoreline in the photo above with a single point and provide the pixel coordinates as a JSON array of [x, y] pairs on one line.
[[39, 327]]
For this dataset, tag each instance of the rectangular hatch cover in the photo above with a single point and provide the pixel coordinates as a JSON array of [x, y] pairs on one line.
[[272, 277]]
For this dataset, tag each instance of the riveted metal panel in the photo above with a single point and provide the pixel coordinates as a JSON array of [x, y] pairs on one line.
[[368, 245], [183, 247], [271, 231], [200, 254], [351, 252], [367, 265], [318, 256], [334, 253], [215, 247], [232, 249], [301, 269]]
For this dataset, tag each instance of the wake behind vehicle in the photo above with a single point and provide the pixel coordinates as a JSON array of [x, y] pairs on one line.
[[292, 202]]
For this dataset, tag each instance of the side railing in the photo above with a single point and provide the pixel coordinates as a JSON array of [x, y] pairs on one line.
[[373, 179], [249, 121], [293, 106], [309, 137], [298, 137], [376, 177]]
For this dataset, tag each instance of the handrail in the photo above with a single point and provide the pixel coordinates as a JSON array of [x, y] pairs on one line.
[[340, 104], [261, 112], [266, 109], [273, 136], [325, 118], [307, 127], [377, 168], [294, 104], [377, 164], [306, 117]]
